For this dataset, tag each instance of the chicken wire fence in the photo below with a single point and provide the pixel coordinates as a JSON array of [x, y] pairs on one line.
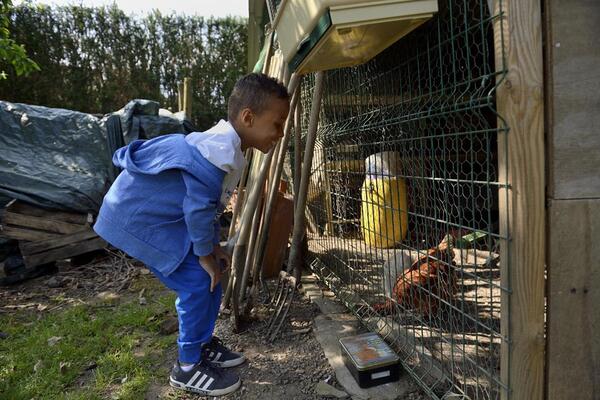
[[402, 213]]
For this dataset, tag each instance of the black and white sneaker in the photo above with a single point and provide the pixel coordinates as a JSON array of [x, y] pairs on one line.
[[205, 379], [220, 356]]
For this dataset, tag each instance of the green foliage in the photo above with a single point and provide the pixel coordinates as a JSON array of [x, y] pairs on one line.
[[10, 51], [97, 59]]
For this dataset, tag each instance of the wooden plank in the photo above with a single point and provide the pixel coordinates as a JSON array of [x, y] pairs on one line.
[[42, 223], [49, 244], [19, 207], [64, 252], [573, 101], [18, 233], [573, 296], [518, 49]]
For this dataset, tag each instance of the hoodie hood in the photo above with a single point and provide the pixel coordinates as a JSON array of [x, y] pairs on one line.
[[150, 157]]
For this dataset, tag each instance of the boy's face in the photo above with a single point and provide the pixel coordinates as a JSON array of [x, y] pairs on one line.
[[262, 131]]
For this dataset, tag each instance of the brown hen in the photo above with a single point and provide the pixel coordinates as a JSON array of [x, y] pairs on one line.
[[426, 283]]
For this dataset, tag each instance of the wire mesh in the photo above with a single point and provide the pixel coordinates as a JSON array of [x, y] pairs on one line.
[[402, 215]]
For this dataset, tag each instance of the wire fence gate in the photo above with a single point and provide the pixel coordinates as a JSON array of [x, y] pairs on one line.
[[402, 216]]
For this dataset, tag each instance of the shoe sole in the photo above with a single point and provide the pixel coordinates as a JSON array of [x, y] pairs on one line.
[[229, 363], [212, 393]]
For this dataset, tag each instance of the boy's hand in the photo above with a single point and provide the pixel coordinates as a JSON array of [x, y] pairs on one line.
[[222, 257], [209, 264]]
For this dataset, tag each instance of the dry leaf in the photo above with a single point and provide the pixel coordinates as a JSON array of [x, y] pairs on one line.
[[38, 365], [53, 340]]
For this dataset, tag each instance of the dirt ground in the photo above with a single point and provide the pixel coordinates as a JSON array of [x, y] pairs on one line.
[[289, 368]]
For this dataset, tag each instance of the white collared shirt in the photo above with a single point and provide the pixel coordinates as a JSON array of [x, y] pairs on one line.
[[222, 147]]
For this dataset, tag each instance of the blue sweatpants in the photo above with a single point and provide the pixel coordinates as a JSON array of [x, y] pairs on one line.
[[197, 308]]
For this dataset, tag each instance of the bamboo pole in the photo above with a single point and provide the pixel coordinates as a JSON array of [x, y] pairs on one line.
[[243, 245], [258, 219], [242, 242], [240, 194], [249, 152], [294, 261], [240, 205], [297, 151], [274, 184], [272, 195], [251, 245]]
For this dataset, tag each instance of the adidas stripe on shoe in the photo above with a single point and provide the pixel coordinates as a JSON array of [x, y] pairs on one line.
[[205, 379]]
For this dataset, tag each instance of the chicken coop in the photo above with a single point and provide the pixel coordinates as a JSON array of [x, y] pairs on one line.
[[433, 193]]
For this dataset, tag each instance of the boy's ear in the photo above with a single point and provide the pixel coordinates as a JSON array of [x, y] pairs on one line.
[[247, 117]]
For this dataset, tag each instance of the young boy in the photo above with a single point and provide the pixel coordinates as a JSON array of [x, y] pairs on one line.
[[163, 210]]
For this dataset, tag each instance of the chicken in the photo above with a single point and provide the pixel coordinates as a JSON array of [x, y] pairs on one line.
[[429, 280]]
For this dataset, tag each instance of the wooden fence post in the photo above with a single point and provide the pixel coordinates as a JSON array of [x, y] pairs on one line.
[[518, 47], [180, 96], [187, 98]]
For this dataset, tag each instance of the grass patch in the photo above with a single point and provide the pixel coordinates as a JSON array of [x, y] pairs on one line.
[[121, 342]]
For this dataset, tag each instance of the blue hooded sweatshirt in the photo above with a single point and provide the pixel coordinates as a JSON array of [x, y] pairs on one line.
[[163, 203]]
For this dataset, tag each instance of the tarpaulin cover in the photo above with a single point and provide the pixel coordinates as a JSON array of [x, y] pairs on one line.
[[60, 159], [143, 119]]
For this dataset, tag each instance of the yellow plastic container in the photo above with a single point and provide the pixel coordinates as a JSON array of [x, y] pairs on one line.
[[383, 214]]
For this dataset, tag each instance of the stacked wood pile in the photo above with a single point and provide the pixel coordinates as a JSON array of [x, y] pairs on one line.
[[46, 236]]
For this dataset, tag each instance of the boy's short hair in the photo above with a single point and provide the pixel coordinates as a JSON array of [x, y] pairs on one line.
[[252, 91]]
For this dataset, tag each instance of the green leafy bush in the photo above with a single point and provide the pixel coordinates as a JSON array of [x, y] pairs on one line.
[[97, 59]]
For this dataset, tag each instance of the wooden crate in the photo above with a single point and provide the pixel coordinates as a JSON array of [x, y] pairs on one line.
[[45, 236]]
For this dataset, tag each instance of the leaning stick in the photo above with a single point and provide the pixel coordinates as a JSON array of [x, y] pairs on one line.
[[260, 248], [297, 151], [274, 184], [238, 265], [294, 261], [241, 202], [260, 222], [240, 196], [241, 186], [242, 242], [251, 243]]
